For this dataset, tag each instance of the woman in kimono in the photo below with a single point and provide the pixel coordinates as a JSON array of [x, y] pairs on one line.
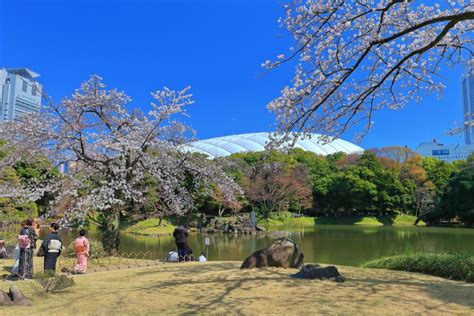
[[81, 248], [27, 245], [52, 246]]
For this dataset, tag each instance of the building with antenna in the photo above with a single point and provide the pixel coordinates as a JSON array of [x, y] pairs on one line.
[[20, 93], [468, 104], [451, 153]]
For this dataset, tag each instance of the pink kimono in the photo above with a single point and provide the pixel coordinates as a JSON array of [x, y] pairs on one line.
[[81, 248]]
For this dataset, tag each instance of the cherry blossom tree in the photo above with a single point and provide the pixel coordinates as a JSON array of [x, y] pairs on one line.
[[356, 57], [112, 151]]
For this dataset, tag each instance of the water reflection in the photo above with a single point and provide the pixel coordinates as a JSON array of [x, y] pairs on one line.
[[346, 245]]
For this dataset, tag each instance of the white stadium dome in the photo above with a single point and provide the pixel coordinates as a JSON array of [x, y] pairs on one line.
[[252, 142]]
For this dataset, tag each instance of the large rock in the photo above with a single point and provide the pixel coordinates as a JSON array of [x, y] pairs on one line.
[[5, 299], [18, 298], [283, 252], [315, 271]]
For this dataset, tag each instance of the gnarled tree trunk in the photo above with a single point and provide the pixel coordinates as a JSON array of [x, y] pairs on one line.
[[110, 227]]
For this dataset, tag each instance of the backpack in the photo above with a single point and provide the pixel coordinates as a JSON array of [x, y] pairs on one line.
[[172, 257], [24, 241]]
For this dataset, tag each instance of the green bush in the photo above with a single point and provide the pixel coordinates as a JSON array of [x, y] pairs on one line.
[[51, 282], [455, 266], [96, 250]]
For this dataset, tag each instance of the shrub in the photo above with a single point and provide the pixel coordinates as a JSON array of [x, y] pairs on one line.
[[455, 266], [51, 282], [96, 250]]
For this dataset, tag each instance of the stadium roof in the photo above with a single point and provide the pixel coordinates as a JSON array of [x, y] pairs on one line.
[[228, 145]]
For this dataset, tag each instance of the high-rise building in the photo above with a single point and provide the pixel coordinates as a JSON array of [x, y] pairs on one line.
[[457, 152], [468, 103], [20, 93]]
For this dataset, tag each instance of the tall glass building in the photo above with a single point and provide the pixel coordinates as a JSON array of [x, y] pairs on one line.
[[468, 103], [20, 93]]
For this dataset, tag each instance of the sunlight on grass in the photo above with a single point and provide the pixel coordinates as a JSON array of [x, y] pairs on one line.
[[221, 288], [150, 227]]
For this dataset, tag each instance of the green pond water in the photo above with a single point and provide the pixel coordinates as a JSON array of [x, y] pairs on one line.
[[337, 244]]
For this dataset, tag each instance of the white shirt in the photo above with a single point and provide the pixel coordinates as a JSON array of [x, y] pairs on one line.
[[202, 258]]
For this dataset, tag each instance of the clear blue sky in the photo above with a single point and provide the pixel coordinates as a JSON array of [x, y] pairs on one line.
[[217, 47]]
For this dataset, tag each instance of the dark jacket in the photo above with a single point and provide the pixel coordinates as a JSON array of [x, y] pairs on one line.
[[30, 232], [180, 234], [46, 242]]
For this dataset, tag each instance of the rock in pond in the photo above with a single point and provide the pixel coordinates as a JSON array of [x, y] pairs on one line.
[[283, 252]]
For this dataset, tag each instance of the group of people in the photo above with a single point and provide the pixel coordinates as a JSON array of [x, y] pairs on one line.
[[185, 252], [50, 248]]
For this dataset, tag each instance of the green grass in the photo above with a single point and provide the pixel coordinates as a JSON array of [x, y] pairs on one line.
[[284, 220], [221, 288], [150, 227], [447, 265]]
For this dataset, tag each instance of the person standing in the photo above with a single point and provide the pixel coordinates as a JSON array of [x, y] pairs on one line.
[[81, 248], [26, 244], [180, 234], [52, 246]]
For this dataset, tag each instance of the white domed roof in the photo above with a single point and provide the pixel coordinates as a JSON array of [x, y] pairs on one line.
[[251, 142]]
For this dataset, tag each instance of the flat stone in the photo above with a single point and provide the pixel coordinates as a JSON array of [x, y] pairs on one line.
[[315, 271]]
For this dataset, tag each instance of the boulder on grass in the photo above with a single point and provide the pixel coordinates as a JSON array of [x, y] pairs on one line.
[[18, 298], [283, 252], [5, 299], [315, 271]]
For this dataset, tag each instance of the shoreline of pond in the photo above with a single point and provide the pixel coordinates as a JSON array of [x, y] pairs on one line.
[[150, 227]]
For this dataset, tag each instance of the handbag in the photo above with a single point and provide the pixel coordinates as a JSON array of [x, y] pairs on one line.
[[40, 252]]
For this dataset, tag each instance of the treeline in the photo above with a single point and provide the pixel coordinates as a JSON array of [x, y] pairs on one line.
[[380, 182], [17, 209]]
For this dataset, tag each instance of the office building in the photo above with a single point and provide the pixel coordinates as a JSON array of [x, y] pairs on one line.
[[457, 152], [447, 153], [20, 93]]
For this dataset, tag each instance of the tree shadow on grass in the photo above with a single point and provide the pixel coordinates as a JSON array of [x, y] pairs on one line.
[[386, 220], [219, 288], [224, 296]]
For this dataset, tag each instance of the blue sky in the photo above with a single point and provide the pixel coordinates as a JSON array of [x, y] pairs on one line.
[[217, 47]]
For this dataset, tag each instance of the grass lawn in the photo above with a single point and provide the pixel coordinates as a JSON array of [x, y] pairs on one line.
[[150, 227], [95, 265], [221, 288]]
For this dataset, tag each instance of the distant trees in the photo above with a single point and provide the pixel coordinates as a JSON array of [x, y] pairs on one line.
[[366, 184], [14, 207], [457, 200], [273, 182]]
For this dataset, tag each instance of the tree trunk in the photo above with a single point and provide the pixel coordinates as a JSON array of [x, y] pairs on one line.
[[111, 232], [161, 219], [221, 210]]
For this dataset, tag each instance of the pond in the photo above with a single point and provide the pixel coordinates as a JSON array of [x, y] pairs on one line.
[[336, 244]]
